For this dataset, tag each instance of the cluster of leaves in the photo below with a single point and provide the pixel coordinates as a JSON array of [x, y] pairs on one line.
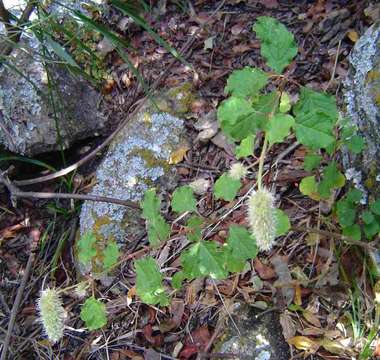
[[93, 311], [356, 220]]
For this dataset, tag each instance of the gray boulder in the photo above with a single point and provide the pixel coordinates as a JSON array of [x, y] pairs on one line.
[[362, 95], [138, 159], [260, 337], [29, 125]]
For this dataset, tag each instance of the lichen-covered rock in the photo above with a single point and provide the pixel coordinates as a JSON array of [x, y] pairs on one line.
[[29, 124], [137, 159], [260, 338], [362, 94]]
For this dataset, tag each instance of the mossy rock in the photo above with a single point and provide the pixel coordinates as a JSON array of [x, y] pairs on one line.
[[137, 159]]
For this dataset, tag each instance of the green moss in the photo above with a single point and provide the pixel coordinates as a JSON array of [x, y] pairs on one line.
[[150, 160], [372, 76], [181, 98]]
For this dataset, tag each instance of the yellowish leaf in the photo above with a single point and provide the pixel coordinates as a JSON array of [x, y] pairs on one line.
[[353, 36], [304, 343], [311, 318], [178, 155], [298, 295], [334, 347]]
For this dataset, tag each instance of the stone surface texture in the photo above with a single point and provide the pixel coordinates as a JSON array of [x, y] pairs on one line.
[[362, 95], [137, 160], [31, 124], [260, 338]]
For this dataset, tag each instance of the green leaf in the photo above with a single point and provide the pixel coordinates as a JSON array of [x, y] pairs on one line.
[[61, 52], [245, 148], [315, 130], [370, 230], [285, 104], [183, 199], [194, 228], [283, 223], [278, 46], [309, 187], [311, 162], [93, 313], [316, 115], [111, 254], [158, 230], [237, 118], [241, 246], [177, 280], [354, 196], [353, 232], [226, 187], [375, 207], [316, 102], [355, 144], [346, 213], [86, 248], [367, 217], [332, 179], [150, 205], [246, 82], [203, 259], [149, 282], [279, 128]]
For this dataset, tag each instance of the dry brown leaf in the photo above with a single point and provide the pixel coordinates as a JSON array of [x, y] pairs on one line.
[[304, 343], [312, 331], [264, 271], [311, 318], [287, 324]]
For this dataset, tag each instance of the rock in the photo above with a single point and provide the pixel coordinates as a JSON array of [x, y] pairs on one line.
[[260, 338], [362, 95], [137, 160], [29, 126]]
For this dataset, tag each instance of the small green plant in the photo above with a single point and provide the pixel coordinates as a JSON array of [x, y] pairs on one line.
[[248, 110]]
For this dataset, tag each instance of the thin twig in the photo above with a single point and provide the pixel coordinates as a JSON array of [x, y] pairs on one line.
[[334, 235], [16, 193], [17, 304]]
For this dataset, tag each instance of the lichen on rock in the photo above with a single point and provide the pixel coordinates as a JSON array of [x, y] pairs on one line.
[[362, 90], [137, 159]]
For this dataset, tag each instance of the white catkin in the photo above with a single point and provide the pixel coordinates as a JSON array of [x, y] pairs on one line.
[[262, 218], [237, 171], [52, 314]]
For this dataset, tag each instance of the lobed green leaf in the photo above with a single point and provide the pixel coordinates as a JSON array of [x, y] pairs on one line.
[[93, 313], [278, 46], [149, 282]]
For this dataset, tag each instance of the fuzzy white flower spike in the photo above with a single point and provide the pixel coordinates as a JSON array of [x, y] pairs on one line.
[[52, 314], [262, 218]]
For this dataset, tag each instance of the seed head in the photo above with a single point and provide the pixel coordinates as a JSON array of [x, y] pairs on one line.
[[237, 171], [262, 218], [52, 314]]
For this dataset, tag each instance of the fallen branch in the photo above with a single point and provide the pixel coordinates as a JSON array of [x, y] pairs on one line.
[[15, 193]]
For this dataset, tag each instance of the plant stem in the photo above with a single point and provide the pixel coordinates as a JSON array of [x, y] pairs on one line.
[[261, 163]]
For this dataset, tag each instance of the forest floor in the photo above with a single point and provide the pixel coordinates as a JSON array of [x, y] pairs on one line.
[[330, 282]]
